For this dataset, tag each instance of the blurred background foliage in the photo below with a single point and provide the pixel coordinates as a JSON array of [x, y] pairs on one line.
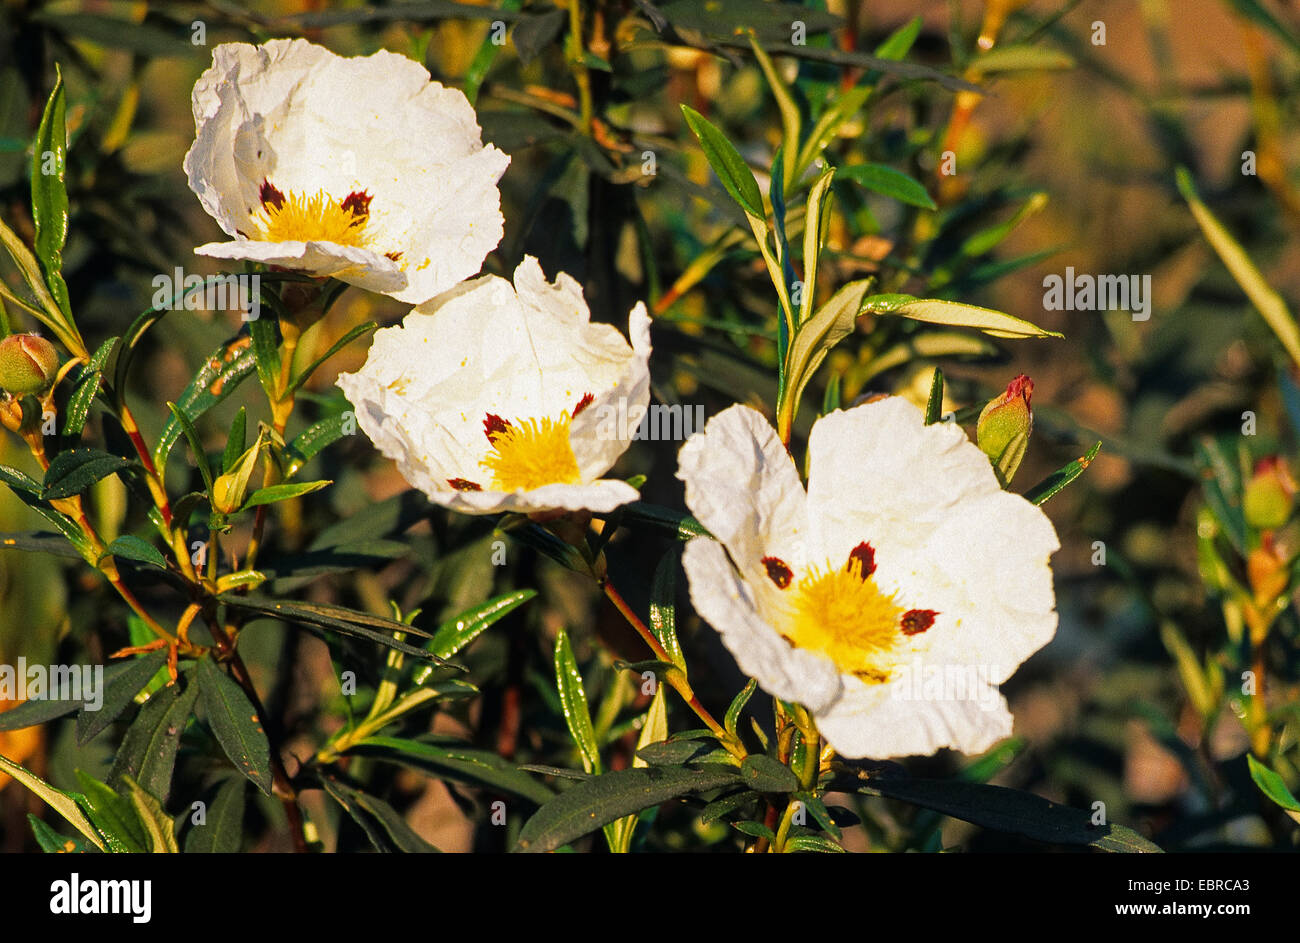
[[1067, 158]]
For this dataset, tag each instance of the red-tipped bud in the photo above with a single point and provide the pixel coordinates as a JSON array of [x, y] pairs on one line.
[[1004, 427]]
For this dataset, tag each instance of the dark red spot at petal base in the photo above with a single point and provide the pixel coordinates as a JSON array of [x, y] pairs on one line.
[[778, 571], [269, 195], [393, 256], [583, 403], [865, 556], [916, 621], [493, 426], [357, 203], [464, 484]]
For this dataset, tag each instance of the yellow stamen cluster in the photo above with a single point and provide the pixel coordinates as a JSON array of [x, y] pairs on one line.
[[847, 618], [297, 217], [531, 453]]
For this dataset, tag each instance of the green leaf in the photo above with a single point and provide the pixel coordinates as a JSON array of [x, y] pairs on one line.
[[229, 365], [678, 523], [235, 724], [148, 751], [304, 446], [1261, 294], [128, 547], [813, 843], [573, 700], [456, 761], [663, 606], [595, 802], [266, 355], [820, 813], [375, 815], [237, 441], [934, 405], [114, 815], [50, 193], [1054, 483], [83, 394], [1009, 810], [754, 829], [727, 163], [338, 618], [222, 831], [885, 180], [993, 323], [196, 444], [56, 799], [817, 336], [74, 470], [1020, 58], [158, 825], [52, 842], [842, 109], [119, 691], [761, 773], [1272, 785], [791, 119], [672, 752], [454, 634], [274, 493], [737, 705], [359, 331], [1254, 10], [816, 219]]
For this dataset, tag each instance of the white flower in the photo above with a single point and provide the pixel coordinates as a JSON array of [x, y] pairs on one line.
[[359, 168], [492, 398], [891, 597]]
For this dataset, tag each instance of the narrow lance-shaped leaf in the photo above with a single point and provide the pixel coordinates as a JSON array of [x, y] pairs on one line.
[[1054, 483], [573, 699], [235, 724], [56, 799]]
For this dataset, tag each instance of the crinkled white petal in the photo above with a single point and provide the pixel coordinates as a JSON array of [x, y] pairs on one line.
[[727, 603], [359, 267], [523, 352], [741, 484], [598, 434], [308, 120], [892, 720], [602, 495]]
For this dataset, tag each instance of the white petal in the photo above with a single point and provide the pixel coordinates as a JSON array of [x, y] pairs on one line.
[[602, 496], [884, 721], [726, 602], [597, 436], [741, 484], [359, 267]]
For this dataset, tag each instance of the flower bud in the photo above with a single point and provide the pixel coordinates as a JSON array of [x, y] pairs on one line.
[[230, 489], [28, 364], [1270, 495], [1004, 427]]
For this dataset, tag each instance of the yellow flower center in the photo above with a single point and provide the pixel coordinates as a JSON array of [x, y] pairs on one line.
[[843, 615], [528, 454], [318, 217]]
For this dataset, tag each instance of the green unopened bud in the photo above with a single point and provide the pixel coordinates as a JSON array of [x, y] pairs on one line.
[[1004, 427], [229, 490], [28, 364], [1270, 495]]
